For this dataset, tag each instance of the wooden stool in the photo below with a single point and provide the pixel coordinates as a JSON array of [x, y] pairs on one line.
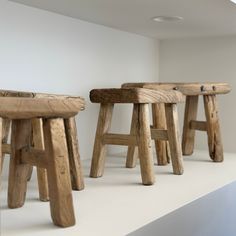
[[141, 134], [54, 158], [211, 125], [38, 142]]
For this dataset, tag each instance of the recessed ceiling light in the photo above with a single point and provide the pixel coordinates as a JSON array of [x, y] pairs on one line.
[[234, 1], [167, 18]]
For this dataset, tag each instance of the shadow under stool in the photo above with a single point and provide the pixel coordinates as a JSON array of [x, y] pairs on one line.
[[141, 134], [192, 91], [77, 180]]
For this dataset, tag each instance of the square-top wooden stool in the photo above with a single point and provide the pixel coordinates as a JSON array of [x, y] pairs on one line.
[[54, 157], [141, 134], [209, 91], [38, 142]]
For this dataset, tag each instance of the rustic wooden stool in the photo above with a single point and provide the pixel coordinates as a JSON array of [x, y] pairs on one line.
[[38, 142], [211, 125], [54, 158], [141, 134]]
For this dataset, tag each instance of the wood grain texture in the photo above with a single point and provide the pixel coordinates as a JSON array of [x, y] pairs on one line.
[[99, 149], [135, 95], [38, 143], [60, 191], [18, 174], [191, 108], [11, 93], [159, 122], [6, 148], [1, 153], [132, 153], [144, 145], [27, 108], [174, 138], [198, 125], [77, 179], [213, 128], [5, 130], [190, 89], [119, 139]]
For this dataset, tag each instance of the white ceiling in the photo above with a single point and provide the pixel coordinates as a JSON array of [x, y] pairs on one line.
[[201, 17]]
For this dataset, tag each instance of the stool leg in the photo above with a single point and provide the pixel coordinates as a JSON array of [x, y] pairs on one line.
[[213, 128], [60, 191], [1, 154], [38, 143], [144, 144], [76, 173], [30, 173], [18, 174], [5, 130], [132, 154], [159, 122], [174, 138], [99, 149], [189, 134]]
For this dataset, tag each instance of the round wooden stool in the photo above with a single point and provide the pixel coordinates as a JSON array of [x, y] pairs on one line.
[[53, 158], [211, 125], [140, 134], [38, 142]]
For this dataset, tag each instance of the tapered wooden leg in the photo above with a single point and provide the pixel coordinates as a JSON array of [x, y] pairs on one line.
[[188, 133], [144, 145], [76, 173], [132, 154], [159, 122], [174, 138], [99, 149], [38, 143], [60, 191], [18, 174], [213, 128]]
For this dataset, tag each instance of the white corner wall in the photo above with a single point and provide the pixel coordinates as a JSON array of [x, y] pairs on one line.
[[201, 60], [45, 52]]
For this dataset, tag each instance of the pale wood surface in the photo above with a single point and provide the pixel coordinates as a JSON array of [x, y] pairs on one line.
[[38, 143], [76, 172], [99, 149], [34, 157], [198, 125], [159, 122], [18, 174], [60, 191], [190, 114], [6, 148], [213, 129], [132, 152], [77, 178], [174, 138], [144, 145], [135, 95], [5, 129], [159, 134], [12, 93], [26, 108], [119, 139], [1, 153], [186, 88]]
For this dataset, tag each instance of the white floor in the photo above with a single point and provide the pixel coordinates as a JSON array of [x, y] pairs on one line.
[[117, 203]]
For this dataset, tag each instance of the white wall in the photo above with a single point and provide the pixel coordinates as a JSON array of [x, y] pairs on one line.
[[206, 59], [46, 52]]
